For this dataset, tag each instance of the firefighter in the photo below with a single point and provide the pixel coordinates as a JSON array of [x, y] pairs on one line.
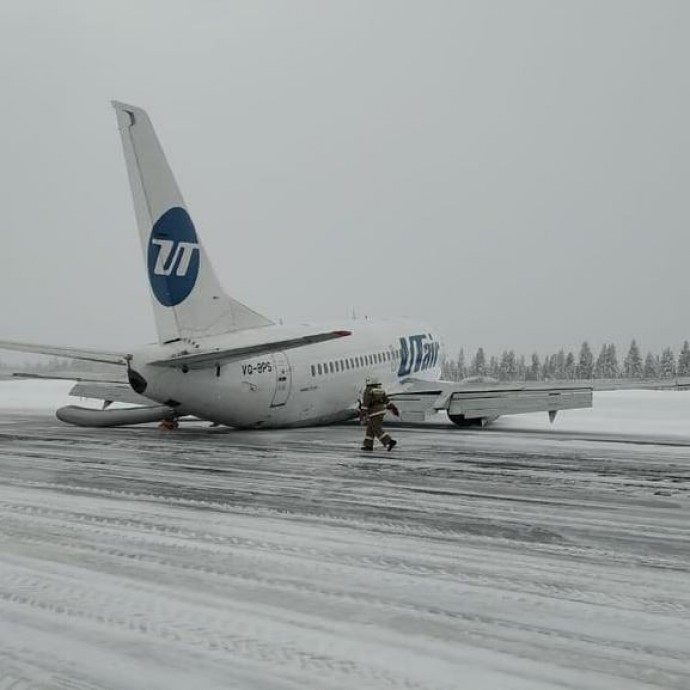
[[372, 407]]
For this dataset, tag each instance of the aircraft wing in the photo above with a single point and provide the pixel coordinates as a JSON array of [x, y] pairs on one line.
[[87, 355], [485, 402], [70, 376], [96, 386], [144, 410], [212, 358]]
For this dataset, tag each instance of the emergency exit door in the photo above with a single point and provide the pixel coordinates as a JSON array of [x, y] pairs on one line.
[[283, 379]]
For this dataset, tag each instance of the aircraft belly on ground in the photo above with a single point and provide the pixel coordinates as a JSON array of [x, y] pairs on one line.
[[224, 395]]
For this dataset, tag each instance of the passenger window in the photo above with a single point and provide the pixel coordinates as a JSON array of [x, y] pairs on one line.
[[313, 370], [320, 369], [330, 367]]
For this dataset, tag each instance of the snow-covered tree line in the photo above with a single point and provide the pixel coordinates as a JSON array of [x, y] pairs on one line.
[[566, 365]]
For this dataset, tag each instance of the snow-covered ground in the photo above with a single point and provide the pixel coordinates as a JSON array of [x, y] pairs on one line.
[[527, 557], [647, 413], [38, 395]]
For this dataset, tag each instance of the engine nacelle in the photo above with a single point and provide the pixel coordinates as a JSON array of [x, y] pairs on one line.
[[469, 422], [84, 416]]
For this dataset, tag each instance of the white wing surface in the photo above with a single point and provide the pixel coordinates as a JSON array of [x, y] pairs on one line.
[[472, 403], [108, 391], [88, 355]]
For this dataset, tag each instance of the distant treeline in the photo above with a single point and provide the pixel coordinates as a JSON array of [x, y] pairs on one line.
[[506, 367], [566, 365]]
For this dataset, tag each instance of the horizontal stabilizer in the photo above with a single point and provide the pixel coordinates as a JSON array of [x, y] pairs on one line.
[[87, 355], [202, 360]]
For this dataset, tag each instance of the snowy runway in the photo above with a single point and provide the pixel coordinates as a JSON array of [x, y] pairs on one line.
[[207, 558]]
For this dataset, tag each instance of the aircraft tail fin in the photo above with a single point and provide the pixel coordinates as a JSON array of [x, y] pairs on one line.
[[187, 298]]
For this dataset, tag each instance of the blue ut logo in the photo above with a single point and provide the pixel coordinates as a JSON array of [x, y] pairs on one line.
[[417, 352], [173, 257]]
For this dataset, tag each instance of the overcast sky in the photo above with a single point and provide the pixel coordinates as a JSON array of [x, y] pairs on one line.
[[514, 172]]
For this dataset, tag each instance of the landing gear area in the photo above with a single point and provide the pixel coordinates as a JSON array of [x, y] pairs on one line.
[[169, 425]]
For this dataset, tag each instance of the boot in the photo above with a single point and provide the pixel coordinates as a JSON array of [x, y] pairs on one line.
[[391, 444]]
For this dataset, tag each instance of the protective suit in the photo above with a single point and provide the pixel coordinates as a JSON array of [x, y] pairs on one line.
[[372, 408]]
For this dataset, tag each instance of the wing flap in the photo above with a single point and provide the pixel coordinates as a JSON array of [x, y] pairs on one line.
[[202, 360], [113, 392]]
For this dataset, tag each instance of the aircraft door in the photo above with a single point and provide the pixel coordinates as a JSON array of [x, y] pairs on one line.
[[283, 379]]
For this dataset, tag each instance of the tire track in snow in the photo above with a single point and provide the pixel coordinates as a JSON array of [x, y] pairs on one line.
[[191, 550], [382, 541]]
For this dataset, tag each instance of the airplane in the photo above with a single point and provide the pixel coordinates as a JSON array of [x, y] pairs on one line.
[[220, 361]]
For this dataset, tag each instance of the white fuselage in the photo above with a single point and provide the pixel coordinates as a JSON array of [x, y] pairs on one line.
[[313, 384]]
